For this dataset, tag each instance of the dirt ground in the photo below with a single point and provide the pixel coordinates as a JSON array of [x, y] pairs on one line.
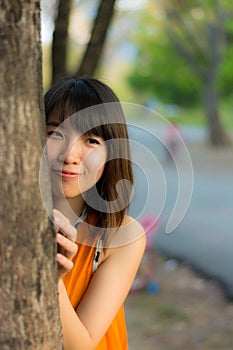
[[187, 313]]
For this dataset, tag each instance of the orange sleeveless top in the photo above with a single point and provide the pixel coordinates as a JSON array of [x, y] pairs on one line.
[[77, 281]]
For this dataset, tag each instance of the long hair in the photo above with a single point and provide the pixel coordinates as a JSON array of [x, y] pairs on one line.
[[101, 114]]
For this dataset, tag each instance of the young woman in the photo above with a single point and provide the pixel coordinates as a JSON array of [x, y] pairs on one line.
[[100, 247]]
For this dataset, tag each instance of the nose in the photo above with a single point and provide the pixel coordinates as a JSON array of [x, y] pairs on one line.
[[73, 153]]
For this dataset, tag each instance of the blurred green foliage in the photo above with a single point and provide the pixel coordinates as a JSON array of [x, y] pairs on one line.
[[159, 72]]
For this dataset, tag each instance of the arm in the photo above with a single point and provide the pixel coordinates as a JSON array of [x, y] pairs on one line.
[[83, 328]]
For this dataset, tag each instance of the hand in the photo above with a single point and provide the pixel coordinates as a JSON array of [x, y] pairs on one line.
[[67, 248]]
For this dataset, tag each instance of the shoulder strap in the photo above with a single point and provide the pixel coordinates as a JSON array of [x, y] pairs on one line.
[[98, 250], [80, 220]]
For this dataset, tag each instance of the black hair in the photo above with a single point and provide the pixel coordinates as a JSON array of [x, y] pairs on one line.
[[105, 118]]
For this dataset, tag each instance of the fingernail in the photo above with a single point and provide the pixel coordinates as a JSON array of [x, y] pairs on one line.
[[60, 238], [59, 258], [57, 219], [56, 213]]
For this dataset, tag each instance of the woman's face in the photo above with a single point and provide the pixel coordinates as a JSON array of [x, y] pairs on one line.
[[76, 161]]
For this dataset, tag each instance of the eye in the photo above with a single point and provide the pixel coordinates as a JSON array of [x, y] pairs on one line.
[[55, 134], [92, 141]]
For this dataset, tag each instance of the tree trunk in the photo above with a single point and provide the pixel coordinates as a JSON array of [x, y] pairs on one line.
[[217, 135], [203, 56], [60, 40], [28, 278], [95, 45]]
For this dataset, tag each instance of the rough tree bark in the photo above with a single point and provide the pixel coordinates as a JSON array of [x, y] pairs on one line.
[[60, 40], [28, 278], [95, 45]]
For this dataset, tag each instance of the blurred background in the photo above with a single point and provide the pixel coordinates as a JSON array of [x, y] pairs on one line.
[[175, 58]]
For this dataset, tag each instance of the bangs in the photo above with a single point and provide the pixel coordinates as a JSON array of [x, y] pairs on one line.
[[100, 120], [91, 121], [94, 107], [81, 104]]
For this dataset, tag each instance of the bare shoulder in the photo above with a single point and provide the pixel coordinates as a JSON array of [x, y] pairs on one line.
[[132, 227], [130, 231], [127, 245]]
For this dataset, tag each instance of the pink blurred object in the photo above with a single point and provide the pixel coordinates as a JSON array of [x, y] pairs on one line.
[[173, 137], [150, 223]]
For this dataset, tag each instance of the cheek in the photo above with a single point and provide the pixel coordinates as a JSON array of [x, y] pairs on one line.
[[50, 151], [95, 162], [99, 173], [53, 151]]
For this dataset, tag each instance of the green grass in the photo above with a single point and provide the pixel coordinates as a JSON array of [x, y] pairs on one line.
[[196, 115]]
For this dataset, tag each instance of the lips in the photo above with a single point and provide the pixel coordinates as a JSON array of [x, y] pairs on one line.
[[67, 174]]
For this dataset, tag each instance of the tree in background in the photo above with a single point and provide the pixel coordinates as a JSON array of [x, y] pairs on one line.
[[60, 40], [94, 47], [197, 31], [181, 57], [158, 72], [28, 279]]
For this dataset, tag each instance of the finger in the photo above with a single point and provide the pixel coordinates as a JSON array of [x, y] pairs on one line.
[[64, 264], [69, 248], [64, 225]]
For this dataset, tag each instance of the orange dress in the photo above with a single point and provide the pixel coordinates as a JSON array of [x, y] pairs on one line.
[[77, 281]]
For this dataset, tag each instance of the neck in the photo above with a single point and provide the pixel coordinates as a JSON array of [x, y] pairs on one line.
[[70, 207]]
